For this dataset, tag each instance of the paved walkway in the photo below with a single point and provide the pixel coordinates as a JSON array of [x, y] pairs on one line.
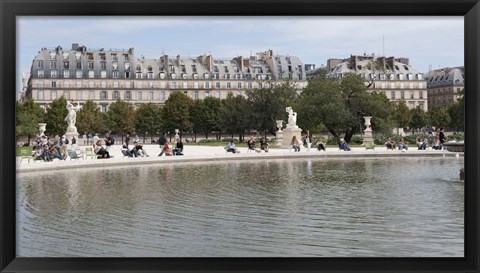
[[216, 153]]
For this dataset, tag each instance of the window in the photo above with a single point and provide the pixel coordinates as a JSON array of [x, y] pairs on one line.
[[239, 85], [89, 56], [91, 74], [217, 94], [138, 75], [260, 85], [185, 85], [41, 73], [207, 84], [115, 74], [127, 84], [420, 94], [79, 95], [127, 66], [53, 65], [103, 65], [126, 57], [40, 64], [40, 95], [162, 75], [66, 74], [217, 85], [194, 68], [91, 95], [66, 65], [115, 66], [103, 95], [411, 85], [79, 74], [402, 94], [103, 74], [102, 56], [173, 76], [53, 95], [195, 85], [162, 95], [77, 55], [54, 84], [66, 84], [150, 95], [402, 85], [207, 94], [114, 57], [400, 76], [90, 65], [392, 95], [420, 85], [127, 75], [79, 65], [206, 76], [79, 84], [116, 95], [104, 108], [195, 95], [53, 73], [66, 94], [150, 75], [392, 85], [103, 84], [173, 85], [250, 86], [128, 95], [163, 85]]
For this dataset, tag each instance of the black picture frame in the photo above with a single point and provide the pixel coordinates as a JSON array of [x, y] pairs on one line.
[[10, 9]]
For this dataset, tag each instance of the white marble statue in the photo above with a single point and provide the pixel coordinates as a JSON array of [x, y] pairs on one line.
[[71, 117], [292, 118]]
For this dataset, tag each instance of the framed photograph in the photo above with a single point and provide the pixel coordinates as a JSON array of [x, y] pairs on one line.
[[71, 222]]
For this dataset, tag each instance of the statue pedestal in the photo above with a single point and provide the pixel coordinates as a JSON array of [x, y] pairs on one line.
[[71, 132], [288, 134], [367, 137], [279, 138]]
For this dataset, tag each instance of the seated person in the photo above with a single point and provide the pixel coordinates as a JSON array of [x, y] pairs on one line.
[[402, 144], [437, 145], [344, 145], [231, 147], [390, 144], [251, 145], [166, 149], [264, 144], [178, 148], [126, 152], [100, 151], [138, 150], [295, 144], [421, 143], [53, 153], [320, 145]]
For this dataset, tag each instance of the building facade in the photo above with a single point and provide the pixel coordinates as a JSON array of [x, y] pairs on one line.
[[445, 86], [102, 75], [390, 75]]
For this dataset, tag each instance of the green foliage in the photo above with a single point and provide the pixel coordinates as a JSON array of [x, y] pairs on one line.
[[56, 124], [268, 105], [403, 115], [419, 118], [176, 112], [455, 111], [356, 140], [28, 115], [89, 118], [206, 115], [234, 115], [438, 117], [148, 119], [120, 117]]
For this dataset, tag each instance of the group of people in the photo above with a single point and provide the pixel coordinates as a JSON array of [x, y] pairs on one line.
[[166, 148], [421, 141], [308, 140], [49, 148], [391, 145]]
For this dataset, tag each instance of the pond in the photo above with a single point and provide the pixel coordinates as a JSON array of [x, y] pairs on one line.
[[388, 207]]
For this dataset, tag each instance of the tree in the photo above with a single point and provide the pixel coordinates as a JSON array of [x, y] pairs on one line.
[[148, 119], [419, 118], [341, 106], [56, 124], [268, 104], [403, 115], [89, 118], [28, 115], [176, 112], [205, 115], [120, 117], [456, 113], [234, 115], [438, 117]]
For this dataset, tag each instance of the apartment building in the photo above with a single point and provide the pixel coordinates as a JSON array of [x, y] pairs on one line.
[[445, 86]]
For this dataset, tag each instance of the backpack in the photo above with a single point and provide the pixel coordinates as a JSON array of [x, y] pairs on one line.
[[113, 140]]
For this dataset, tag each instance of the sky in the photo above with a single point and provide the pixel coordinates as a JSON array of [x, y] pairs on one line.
[[434, 41]]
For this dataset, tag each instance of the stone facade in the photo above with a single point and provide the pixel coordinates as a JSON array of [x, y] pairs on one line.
[[393, 76], [105, 75], [445, 86]]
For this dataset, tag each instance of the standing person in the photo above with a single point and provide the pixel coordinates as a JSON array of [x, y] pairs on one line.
[[95, 140], [308, 140], [63, 147], [295, 144], [108, 141], [74, 143], [127, 140], [442, 137]]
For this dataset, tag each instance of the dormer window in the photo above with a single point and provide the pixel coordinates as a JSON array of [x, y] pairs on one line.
[[89, 56], [162, 75], [138, 68], [127, 66], [52, 55]]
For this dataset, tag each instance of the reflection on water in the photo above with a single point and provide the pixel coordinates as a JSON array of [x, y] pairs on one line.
[[295, 207]]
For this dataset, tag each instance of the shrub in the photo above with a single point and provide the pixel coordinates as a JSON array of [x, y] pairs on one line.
[[356, 140]]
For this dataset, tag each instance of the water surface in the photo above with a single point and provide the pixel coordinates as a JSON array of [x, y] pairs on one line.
[[386, 207]]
